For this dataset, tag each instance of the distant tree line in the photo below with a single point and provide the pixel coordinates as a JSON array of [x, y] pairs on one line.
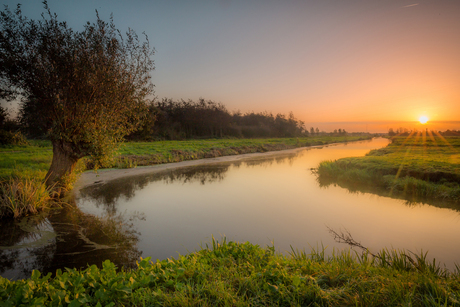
[[170, 119], [406, 132], [450, 132], [399, 131]]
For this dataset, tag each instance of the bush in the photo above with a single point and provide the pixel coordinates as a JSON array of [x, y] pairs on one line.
[[12, 138]]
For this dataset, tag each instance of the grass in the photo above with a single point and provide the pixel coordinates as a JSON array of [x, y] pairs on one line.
[[416, 167], [133, 154], [19, 197], [243, 274]]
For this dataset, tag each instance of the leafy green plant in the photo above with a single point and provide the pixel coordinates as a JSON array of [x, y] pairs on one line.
[[228, 273]]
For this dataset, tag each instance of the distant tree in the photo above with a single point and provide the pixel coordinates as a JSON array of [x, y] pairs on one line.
[[312, 130], [3, 116], [86, 89], [317, 130], [391, 132]]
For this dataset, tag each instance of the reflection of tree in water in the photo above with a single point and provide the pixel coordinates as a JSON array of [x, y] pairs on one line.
[[109, 193], [409, 200], [203, 174], [268, 161], [25, 245], [81, 240], [88, 239]]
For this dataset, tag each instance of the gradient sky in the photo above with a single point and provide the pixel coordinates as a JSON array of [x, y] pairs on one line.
[[327, 61]]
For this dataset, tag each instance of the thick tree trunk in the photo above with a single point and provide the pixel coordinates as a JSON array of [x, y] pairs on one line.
[[63, 163]]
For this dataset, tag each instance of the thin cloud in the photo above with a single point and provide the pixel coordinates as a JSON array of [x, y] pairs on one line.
[[411, 5]]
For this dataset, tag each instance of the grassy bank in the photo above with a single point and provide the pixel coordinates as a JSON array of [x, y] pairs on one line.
[[133, 154], [33, 161], [242, 274], [416, 167], [23, 167]]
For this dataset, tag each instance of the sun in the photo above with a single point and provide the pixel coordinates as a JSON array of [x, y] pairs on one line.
[[423, 119]]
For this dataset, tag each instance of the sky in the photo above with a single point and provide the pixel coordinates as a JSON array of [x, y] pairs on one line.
[[358, 65]]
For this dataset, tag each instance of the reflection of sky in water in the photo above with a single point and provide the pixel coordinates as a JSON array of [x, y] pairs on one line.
[[271, 198]]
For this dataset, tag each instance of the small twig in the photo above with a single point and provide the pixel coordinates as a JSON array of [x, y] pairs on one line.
[[345, 237]]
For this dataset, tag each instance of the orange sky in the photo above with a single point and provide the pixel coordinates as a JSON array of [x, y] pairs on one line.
[[327, 61]]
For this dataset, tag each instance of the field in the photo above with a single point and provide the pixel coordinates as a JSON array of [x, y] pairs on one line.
[[417, 167], [242, 274]]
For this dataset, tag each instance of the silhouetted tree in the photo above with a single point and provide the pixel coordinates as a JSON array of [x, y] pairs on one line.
[[391, 132], [86, 89], [3, 116]]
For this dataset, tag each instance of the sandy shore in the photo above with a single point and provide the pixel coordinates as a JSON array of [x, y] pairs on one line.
[[105, 175]]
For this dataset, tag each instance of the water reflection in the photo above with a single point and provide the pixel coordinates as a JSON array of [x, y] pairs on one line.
[[25, 246], [107, 195], [67, 238], [361, 189]]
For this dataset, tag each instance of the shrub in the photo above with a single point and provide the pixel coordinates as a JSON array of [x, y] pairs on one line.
[[12, 138]]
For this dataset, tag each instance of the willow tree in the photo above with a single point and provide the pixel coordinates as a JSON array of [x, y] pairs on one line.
[[85, 89]]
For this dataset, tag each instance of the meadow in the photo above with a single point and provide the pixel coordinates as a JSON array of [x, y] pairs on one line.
[[417, 167]]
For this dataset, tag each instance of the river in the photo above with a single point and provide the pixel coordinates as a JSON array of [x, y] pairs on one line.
[[266, 199]]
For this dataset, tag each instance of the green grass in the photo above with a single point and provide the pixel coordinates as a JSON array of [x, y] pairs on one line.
[[19, 197], [242, 274], [134, 154], [416, 167], [25, 161]]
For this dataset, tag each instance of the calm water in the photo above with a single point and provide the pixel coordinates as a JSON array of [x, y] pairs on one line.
[[264, 199]]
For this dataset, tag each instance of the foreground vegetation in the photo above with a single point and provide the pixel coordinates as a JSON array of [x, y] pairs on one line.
[[418, 166], [29, 163], [242, 274]]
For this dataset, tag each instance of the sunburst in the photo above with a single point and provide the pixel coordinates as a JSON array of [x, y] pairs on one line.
[[423, 119]]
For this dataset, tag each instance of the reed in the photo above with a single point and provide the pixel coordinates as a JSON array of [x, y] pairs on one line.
[[20, 197]]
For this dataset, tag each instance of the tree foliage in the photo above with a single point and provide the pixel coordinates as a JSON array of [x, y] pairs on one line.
[[84, 89], [205, 118]]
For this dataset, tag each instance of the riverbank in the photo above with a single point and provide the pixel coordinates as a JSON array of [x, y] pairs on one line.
[[243, 274], [415, 167], [27, 165], [214, 154]]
